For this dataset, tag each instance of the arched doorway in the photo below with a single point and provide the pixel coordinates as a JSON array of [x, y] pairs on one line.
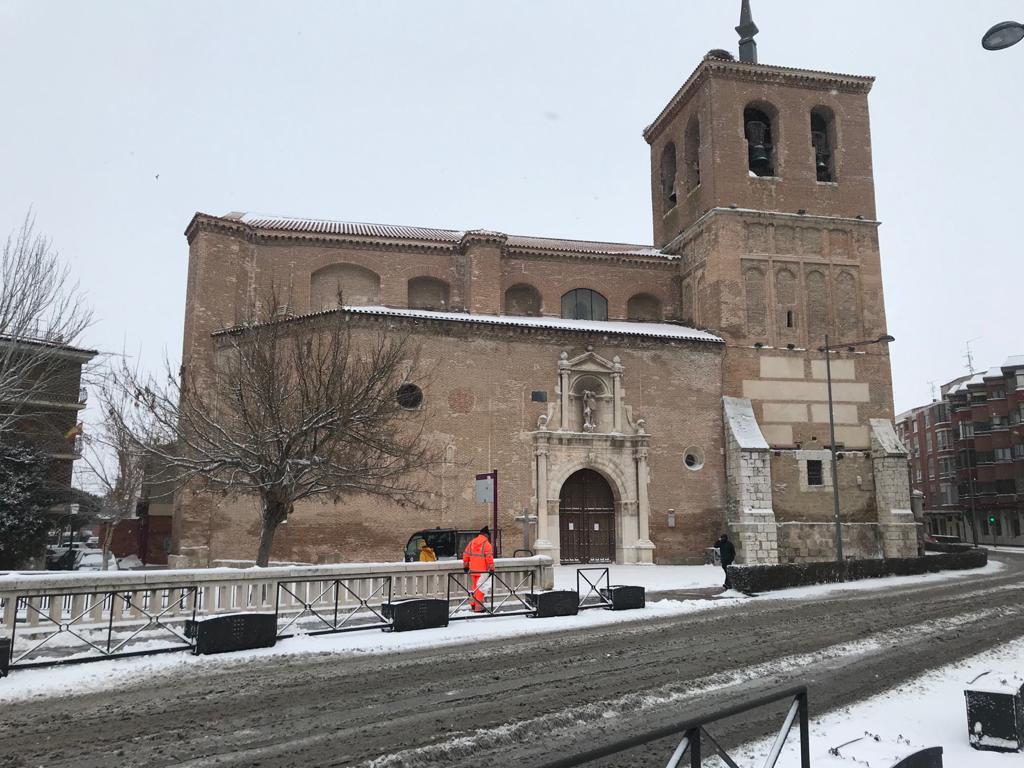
[[586, 519]]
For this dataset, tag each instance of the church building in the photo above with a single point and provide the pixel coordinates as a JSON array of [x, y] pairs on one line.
[[639, 400]]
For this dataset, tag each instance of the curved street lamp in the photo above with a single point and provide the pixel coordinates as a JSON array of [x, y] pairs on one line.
[[1003, 35], [828, 349]]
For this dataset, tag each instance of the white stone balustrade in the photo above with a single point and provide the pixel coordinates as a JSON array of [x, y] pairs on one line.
[[85, 598]]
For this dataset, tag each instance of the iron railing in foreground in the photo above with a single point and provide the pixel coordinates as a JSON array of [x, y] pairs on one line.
[[694, 733]]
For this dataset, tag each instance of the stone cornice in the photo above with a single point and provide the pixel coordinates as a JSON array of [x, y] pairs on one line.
[[474, 330], [759, 73], [202, 222], [790, 218], [667, 262]]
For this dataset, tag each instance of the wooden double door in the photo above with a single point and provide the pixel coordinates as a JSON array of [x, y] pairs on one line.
[[586, 519]]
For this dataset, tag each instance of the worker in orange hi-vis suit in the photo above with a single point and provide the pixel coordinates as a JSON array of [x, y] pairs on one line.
[[478, 559]]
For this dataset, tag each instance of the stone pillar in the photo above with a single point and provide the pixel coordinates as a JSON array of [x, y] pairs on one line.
[[542, 546], [482, 289], [565, 419], [644, 545], [896, 523], [617, 397], [750, 515]]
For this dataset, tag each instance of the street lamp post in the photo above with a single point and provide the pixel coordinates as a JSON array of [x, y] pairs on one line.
[[828, 349]]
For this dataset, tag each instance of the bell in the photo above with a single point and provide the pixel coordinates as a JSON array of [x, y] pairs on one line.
[[759, 153], [760, 159]]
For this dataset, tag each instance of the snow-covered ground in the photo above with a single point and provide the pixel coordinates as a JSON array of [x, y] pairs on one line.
[[664, 578], [654, 578], [102, 675], [926, 712]]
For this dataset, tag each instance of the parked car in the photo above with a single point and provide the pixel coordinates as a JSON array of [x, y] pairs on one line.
[[447, 543], [93, 561]]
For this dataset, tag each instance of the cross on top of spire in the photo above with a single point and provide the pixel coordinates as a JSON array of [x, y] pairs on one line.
[[747, 29]]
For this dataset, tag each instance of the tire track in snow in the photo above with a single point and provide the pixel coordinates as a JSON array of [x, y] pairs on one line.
[[568, 722]]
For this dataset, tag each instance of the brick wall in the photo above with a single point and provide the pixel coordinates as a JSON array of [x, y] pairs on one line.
[[477, 385]]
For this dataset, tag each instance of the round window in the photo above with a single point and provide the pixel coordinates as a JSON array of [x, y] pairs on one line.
[[693, 458], [409, 396]]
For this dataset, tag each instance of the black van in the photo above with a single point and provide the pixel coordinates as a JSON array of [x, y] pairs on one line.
[[447, 543]]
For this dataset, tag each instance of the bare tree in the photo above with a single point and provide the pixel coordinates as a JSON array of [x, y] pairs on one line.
[[115, 462], [289, 410], [41, 311]]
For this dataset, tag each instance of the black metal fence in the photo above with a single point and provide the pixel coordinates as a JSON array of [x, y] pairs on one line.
[[63, 623], [694, 735], [333, 605], [464, 590], [598, 582]]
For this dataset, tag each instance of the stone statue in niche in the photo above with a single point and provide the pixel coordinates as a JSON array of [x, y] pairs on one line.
[[589, 411]]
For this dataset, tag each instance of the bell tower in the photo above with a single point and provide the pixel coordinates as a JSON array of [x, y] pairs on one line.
[[761, 181], [762, 186]]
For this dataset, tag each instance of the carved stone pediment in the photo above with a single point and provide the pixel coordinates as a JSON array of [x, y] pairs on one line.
[[590, 362], [590, 398]]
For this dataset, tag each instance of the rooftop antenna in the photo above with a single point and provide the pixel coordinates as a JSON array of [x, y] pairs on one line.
[[931, 386], [747, 29], [969, 357]]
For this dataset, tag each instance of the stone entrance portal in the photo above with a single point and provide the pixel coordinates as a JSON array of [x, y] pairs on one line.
[[591, 468], [586, 519]]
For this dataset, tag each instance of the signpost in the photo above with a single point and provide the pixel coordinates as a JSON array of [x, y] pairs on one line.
[[486, 491]]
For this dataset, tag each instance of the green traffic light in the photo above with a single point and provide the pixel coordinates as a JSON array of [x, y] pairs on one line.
[[991, 519]]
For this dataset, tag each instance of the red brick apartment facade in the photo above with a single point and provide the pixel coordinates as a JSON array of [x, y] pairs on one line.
[[967, 455], [764, 232]]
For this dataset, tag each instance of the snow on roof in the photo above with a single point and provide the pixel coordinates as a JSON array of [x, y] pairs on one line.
[[993, 373], [452, 236], [739, 415], [328, 227], [1015, 361], [650, 330], [883, 431]]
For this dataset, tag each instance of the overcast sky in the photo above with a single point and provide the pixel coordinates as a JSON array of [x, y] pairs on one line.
[[123, 119]]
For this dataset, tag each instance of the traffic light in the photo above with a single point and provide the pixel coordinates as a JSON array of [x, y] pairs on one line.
[[991, 519]]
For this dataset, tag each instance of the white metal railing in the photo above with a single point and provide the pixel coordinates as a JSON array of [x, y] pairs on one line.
[[72, 612]]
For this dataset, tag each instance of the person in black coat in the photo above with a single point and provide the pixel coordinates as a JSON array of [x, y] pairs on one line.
[[727, 552]]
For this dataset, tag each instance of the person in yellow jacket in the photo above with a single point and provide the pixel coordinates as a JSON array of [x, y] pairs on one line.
[[427, 553], [478, 560]]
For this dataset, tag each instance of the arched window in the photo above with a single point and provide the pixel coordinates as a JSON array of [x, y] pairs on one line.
[[428, 293], [523, 300], [343, 284], [758, 127], [668, 176], [691, 148], [823, 140], [785, 298], [644, 308], [584, 304], [757, 301], [847, 305], [817, 305]]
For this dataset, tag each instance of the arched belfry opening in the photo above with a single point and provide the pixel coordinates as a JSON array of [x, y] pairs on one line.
[[591, 468], [758, 127], [586, 518]]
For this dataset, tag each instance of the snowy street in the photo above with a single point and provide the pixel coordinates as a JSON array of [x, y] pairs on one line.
[[516, 698]]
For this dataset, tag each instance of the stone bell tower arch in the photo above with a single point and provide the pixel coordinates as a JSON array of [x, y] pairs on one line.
[[589, 427]]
